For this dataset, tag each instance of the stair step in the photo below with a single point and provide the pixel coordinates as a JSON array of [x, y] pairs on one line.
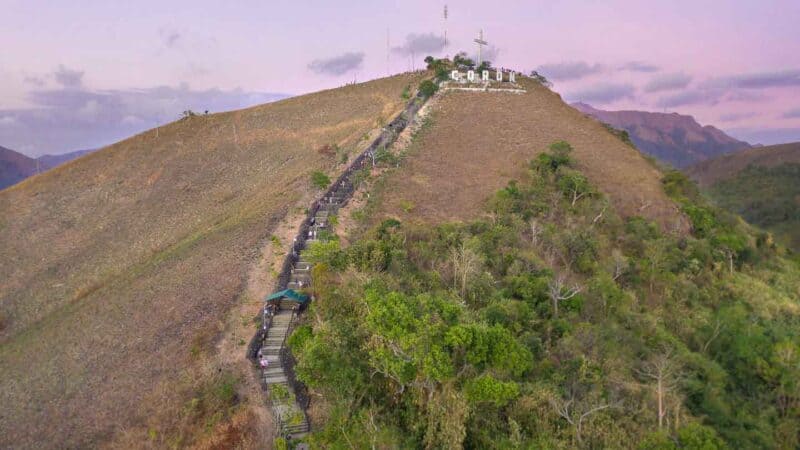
[[275, 379]]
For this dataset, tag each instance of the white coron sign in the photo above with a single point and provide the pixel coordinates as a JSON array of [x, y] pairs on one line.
[[470, 76]]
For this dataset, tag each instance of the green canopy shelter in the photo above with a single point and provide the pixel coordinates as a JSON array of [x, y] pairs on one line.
[[289, 294]]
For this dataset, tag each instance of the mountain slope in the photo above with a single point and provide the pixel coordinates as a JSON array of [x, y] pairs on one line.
[[477, 142], [532, 317], [673, 138], [118, 269], [760, 184], [14, 167]]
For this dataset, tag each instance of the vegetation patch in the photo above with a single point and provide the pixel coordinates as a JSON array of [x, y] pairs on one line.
[[554, 323], [320, 180]]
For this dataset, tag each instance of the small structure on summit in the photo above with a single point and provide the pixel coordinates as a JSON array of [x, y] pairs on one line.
[[287, 299]]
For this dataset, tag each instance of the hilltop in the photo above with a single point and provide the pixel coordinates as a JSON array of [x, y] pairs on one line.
[[673, 138], [120, 270], [760, 184]]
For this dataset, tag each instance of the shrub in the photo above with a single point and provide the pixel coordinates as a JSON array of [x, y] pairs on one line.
[[540, 78], [406, 205], [442, 74], [556, 158], [326, 252], [320, 180], [490, 390], [462, 61], [428, 88], [382, 155]]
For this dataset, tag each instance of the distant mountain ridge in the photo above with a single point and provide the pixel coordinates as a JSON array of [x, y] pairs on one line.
[[724, 167], [760, 184], [673, 138], [15, 167]]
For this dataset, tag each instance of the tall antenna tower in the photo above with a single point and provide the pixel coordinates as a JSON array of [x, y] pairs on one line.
[[445, 26], [388, 51]]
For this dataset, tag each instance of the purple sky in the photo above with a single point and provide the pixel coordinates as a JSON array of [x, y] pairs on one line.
[[77, 74]]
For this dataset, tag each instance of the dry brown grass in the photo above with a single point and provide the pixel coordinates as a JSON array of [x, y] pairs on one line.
[[477, 142], [113, 266]]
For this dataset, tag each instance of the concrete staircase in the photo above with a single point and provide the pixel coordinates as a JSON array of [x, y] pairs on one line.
[[290, 417]]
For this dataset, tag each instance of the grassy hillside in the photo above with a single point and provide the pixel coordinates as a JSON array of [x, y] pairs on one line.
[[118, 268], [762, 185], [476, 142], [542, 320]]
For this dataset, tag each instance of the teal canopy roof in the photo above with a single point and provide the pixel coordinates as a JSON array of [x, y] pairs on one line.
[[290, 294]]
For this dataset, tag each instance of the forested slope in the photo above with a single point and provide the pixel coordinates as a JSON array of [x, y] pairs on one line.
[[549, 315]]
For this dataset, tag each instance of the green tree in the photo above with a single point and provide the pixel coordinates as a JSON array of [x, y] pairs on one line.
[[427, 88], [574, 185]]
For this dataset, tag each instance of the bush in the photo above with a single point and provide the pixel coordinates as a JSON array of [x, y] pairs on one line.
[[556, 158], [326, 252], [320, 180], [428, 88]]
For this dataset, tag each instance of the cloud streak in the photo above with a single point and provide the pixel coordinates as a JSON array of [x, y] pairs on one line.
[[419, 44], [792, 114], [337, 65], [764, 80], [603, 93], [668, 82], [638, 66], [573, 70], [68, 78], [691, 97], [735, 117]]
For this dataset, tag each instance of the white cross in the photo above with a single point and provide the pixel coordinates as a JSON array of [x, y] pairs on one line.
[[480, 43]]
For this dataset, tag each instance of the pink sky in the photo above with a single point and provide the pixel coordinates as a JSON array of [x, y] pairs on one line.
[[66, 65]]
